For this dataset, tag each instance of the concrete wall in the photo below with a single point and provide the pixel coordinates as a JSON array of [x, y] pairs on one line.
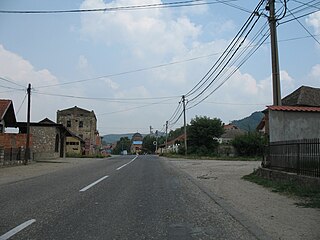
[[285, 125]]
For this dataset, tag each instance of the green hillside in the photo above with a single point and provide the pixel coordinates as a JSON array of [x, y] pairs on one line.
[[249, 123]]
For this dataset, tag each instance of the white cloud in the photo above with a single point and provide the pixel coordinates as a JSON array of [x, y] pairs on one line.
[[21, 71], [111, 84], [314, 21], [315, 72], [145, 33]]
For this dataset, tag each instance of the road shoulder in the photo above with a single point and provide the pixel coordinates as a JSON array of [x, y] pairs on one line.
[[275, 214]]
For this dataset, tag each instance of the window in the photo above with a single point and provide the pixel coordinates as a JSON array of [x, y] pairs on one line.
[[80, 124], [56, 149], [69, 123]]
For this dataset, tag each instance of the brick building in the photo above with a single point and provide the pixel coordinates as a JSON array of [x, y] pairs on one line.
[[83, 124]]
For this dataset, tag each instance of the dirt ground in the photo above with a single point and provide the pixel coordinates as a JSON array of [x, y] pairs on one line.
[[275, 214]]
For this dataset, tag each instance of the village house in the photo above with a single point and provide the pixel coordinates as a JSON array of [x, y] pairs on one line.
[[48, 139], [297, 118], [136, 145], [83, 125]]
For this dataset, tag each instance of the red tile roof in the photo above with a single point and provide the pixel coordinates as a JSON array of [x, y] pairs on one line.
[[4, 105], [294, 108]]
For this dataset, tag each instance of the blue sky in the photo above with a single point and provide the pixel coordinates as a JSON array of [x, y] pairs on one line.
[[140, 62]]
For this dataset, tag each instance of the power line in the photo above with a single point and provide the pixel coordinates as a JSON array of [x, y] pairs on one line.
[[12, 82], [189, 3], [304, 27], [223, 67], [225, 55], [106, 99]]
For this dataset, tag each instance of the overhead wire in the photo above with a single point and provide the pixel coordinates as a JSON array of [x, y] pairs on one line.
[[188, 3], [224, 56], [223, 67], [304, 27]]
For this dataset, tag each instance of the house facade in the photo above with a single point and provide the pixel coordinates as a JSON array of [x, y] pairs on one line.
[[83, 124], [297, 118], [136, 143], [288, 123], [48, 139]]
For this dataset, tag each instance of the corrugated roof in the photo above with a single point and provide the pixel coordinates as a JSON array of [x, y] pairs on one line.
[[294, 108]]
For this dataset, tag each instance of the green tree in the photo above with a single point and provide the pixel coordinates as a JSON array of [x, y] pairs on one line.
[[147, 144], [250, 144], [123, 144], [175, 133], [202, 133]]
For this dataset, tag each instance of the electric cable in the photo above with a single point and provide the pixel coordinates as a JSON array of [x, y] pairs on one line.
[[189, 3]]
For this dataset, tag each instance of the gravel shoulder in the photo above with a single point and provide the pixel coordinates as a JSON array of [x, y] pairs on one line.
[[274, 213]]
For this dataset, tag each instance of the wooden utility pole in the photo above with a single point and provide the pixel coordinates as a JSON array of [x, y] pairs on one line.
[[185, 124], [27, 152], [274, 54], [166, 135]]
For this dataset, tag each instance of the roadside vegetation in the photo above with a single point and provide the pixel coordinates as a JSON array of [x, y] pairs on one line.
[[310, 196]]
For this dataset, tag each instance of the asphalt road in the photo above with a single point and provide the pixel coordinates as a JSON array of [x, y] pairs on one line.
[[126, 197]]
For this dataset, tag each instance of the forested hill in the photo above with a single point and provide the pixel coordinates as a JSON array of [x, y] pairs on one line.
[[249, 123]]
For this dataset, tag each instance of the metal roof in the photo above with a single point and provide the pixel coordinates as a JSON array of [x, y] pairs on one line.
[[294, 108]]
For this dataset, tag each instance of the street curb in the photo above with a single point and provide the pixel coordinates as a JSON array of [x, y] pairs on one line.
[[254, 229]]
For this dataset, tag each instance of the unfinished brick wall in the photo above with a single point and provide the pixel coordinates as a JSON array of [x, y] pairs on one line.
[[14, 140]]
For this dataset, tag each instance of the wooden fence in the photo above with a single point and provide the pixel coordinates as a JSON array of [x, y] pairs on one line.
[[299, 156]]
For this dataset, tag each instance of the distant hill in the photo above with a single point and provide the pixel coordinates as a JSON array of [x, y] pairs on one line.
[[249, 123], [111, 138]]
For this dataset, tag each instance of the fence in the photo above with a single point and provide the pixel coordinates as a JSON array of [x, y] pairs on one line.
[[299, 156], [11, 156]]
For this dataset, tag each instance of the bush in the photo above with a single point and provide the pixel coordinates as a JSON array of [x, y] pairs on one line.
[[251, 144]]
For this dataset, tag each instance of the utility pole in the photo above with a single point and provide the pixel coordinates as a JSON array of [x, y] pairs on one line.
[[185, 125], [27, 152], [274, 54], [166, 135]]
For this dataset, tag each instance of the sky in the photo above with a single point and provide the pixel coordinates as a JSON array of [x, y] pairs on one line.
[[132, 65]]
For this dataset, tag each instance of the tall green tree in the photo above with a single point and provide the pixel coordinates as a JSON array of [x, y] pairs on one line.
[[123, 144], [147, 144], [202, 133]]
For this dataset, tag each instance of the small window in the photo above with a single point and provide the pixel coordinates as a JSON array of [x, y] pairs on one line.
[[56, 148], [80, 124], [69, 123]]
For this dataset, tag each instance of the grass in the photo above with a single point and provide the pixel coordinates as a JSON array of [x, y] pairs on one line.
[[309, 197]]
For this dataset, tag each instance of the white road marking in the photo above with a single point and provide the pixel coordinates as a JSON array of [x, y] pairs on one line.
[[92, 184], [16, 229], [126, 163]]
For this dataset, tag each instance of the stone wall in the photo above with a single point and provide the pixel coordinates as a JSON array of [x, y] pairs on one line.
[[44, 142]]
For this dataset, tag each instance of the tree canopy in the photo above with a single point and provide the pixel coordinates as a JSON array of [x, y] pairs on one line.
[[202, 133], [123, 144]]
